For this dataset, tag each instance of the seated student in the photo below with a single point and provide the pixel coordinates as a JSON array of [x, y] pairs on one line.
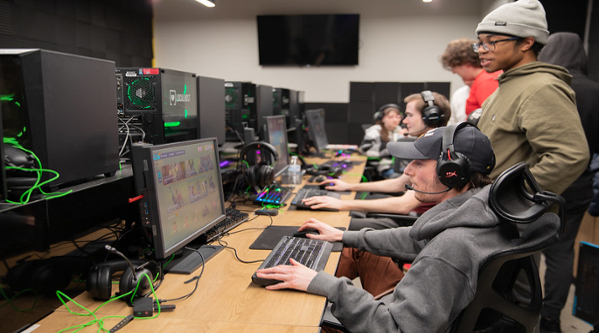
[[446, 245], [420, 117], [385, 129]]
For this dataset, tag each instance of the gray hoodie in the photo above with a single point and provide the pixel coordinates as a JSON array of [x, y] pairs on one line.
[[447, 245]]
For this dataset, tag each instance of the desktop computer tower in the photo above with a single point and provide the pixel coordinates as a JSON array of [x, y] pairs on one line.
[[264, 106], [61, 107], [156, 105], [211, 109], [296, 102], [240, 108], [281, 104]]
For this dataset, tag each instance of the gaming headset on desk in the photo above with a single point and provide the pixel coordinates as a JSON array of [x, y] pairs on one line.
[[99, 279], [258, 174]]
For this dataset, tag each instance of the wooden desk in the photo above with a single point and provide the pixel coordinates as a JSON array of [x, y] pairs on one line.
[[226, 298]]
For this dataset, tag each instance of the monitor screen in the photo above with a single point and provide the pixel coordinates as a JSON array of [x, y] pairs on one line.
[[309, 40], [183, 196], [316, 128], [277, 136]]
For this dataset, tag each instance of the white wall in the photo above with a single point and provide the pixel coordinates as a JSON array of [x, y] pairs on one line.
[[400, 40]]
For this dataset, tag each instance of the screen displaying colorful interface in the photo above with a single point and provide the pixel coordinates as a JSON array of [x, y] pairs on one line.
[[187, 189], [316, 128], [277, 136]]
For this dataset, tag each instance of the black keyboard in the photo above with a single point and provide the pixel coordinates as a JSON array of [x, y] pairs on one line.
[[273, 195], [311, 253], [307, 192], [233, 219]]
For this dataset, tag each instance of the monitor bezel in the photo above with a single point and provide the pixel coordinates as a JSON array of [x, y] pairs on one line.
[[150, 196]]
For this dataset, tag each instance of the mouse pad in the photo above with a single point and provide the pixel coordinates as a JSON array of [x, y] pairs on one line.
[[271, 236]]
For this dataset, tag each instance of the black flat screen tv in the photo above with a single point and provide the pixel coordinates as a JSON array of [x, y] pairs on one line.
[[309, 40]]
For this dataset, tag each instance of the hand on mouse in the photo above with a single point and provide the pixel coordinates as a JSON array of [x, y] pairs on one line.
[[324, 201], [337, 185], [326, 232]]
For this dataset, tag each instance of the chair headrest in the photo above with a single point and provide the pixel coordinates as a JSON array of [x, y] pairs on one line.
[[516, 196]]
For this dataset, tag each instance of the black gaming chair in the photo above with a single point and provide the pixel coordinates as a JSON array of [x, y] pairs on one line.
[[516, 198]]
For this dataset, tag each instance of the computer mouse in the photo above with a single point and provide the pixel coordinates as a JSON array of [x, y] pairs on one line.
[[320, 179], [303, 233]]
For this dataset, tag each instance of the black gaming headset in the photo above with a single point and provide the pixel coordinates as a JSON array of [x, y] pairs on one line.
[[261, 174], [453, 168], [431, 114], [99, 279], [380, 113], [45, 276]]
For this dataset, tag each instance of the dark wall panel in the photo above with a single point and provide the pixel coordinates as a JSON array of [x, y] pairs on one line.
[[109, 29]]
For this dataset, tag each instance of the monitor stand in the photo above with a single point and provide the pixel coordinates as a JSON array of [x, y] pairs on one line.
[[190, 260]]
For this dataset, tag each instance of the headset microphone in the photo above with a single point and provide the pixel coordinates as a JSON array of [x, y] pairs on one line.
[[409, 187], [115, 251]]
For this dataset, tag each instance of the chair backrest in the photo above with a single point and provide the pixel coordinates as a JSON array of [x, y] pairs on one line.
[[516, 198]]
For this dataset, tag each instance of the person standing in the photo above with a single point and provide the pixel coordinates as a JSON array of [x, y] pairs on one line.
[[566, 49], [460, 59], [532, 116]]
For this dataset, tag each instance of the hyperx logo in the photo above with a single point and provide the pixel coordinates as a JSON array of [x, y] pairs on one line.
[[449, 174]]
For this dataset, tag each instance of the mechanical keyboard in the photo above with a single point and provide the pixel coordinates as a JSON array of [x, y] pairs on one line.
[[307, 192], [273, 195], [311, 253], [233, 219]]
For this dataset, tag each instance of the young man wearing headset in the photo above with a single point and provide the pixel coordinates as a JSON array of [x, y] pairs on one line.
[[442, 278], [424, 111]]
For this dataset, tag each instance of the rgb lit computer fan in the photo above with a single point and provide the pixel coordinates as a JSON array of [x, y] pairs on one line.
[[141, 93]]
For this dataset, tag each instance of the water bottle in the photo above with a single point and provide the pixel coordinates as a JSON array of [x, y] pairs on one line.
[[295, 171]]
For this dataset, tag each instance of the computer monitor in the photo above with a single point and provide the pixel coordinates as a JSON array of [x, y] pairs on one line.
[[182, 192], [316, 129], [276, 135]]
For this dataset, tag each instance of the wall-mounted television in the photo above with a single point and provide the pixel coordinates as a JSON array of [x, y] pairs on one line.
[[309, 40]]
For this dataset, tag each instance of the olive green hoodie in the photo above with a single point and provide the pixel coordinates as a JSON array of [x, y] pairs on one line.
[[532, 117]]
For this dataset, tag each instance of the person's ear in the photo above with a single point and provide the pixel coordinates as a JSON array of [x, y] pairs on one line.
[[526, 43]]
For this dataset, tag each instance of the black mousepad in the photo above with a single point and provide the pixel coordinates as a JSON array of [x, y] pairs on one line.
[[270, 237]]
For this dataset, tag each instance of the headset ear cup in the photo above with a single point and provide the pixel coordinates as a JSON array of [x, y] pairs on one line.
[[455, 172], [128, 283], [99, 282], [267, 175]]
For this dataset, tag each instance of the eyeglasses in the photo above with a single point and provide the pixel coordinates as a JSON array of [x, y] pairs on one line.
[[490, 46]]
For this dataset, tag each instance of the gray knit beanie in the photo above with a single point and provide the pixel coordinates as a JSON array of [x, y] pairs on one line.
[[523, 18]]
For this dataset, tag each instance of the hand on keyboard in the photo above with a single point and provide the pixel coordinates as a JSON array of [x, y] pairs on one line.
[[319, 202], [294, 276]]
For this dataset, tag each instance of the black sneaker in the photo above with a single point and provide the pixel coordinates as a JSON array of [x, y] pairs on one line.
[[550, 326]]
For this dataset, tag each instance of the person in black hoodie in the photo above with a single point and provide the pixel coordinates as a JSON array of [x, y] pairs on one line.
[[566, 49]]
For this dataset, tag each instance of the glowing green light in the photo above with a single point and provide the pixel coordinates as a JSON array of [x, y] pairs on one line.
[[184, 89], [172, 124], [18, 104], [185, 113], [7, 97], [245, 116]]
